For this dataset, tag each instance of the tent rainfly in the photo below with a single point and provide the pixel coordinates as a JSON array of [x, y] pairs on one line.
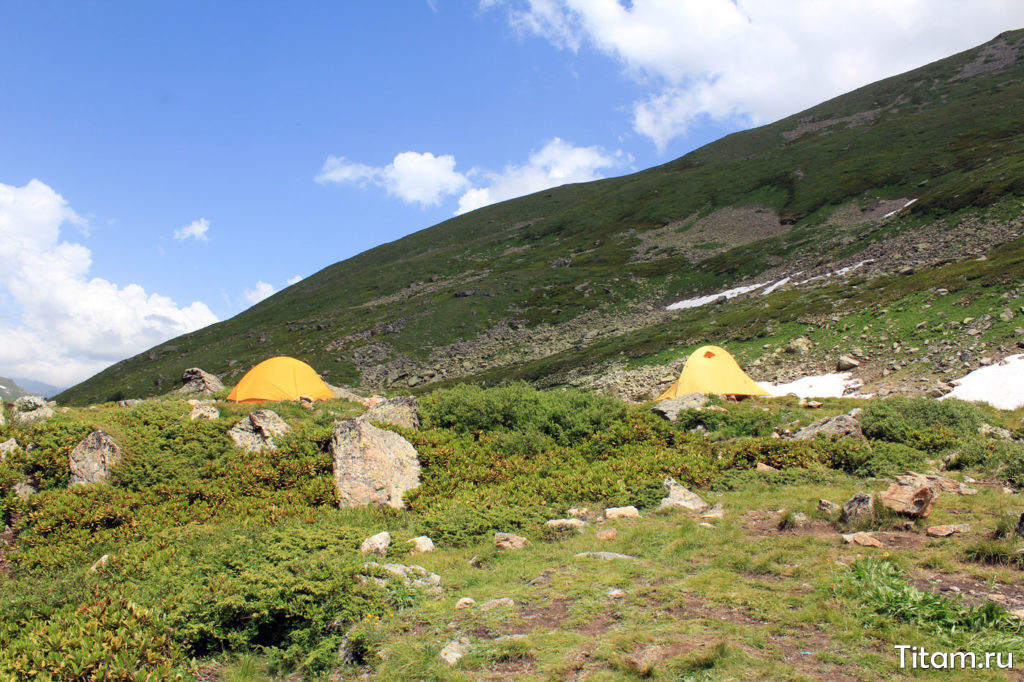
[[711, 369], [280, 378]]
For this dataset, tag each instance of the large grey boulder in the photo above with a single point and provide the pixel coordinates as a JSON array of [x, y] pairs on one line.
[[92, 459], [29, 409], [196, 380], [398, 411], [372, 465], [257, 431], [834, 428], [671, 407]]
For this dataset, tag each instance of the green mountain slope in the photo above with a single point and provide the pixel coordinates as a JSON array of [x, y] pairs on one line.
[[551, 277], [10, 390]]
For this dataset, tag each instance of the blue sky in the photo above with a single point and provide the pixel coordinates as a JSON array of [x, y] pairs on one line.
[[275, 139]]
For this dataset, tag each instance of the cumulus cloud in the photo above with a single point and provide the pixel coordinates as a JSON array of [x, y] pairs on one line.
[[64, 325], [427, 179], [557, 163], [194, 230], [294, 279], [259, 291], [413, 177], [753, 61]]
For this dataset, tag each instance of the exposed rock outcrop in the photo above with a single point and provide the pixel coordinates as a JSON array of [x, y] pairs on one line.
[[911, 497], [372, 465], [398, 411], [834, 428], [257, 431], [93, 457], [376, 544], [196, 380], [204, 412], [680, 496], [510, 541], [29, 409], [669, 409]]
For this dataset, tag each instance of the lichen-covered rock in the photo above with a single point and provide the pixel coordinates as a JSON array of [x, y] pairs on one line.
[[204, 412], [510, 541], [26, 488], [93, 457], [398, 411], [422, 544], [372, 465], [913, 497], [7, 447], [938, 484], [671, 407], [30, 409], [680, 496], [565, 524], [454, 650], [605, 556], [257, 431], [859, 505], [196, 380], [376, 544], [629, 512], [839, 426]]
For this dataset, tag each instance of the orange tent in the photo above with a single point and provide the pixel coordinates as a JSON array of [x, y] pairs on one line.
[[710, 369], [280, 378]]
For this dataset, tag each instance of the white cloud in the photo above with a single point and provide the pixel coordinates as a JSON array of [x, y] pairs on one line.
[[259, 291], [427, 179], [64, 326], [557, 163], [413, 177], [194, 230], [753, 61], [294, 280]]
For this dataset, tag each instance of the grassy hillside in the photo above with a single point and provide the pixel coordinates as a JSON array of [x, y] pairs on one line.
[[549, 272], [227, 565]]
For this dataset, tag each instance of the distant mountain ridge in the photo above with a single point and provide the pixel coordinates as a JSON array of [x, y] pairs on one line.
[[910, 175], [12, 389]]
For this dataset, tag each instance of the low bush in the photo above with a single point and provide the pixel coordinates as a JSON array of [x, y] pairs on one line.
[[921, 423]]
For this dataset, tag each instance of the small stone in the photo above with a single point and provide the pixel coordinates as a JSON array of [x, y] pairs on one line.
[[578, 512], [761, 466], [828, 507], [422, 544], [615, 593], [1007, 491], [705, 524], [863, 539], [947, 530], [565, 524], [496, 603], [814, 404], [204, 412], [464, 603], [629, 512], [510, 541], [454, 650], [376, 544], [846, 363], [604, 556], [100, 563], [716, 512], [607, 534]]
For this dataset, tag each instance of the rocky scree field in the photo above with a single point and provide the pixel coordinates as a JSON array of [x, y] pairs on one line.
[[193, 558], [903, 184]]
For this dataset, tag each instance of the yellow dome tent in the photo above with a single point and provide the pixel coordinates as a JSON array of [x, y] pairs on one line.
[[711, 369], [280, 378]]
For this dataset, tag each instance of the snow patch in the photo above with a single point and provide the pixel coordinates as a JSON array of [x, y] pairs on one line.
[[704, 300], [834, 385], [1000, 385], [892, 213]]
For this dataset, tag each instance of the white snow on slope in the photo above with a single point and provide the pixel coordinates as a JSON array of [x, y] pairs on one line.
[[822, 386], [704, 300], [772, 286], [1000, 385]]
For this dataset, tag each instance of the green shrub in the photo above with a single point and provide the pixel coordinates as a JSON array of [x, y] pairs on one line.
[[921, 423], [564, 415], [106, 638], [883, 459], [472, 519]]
